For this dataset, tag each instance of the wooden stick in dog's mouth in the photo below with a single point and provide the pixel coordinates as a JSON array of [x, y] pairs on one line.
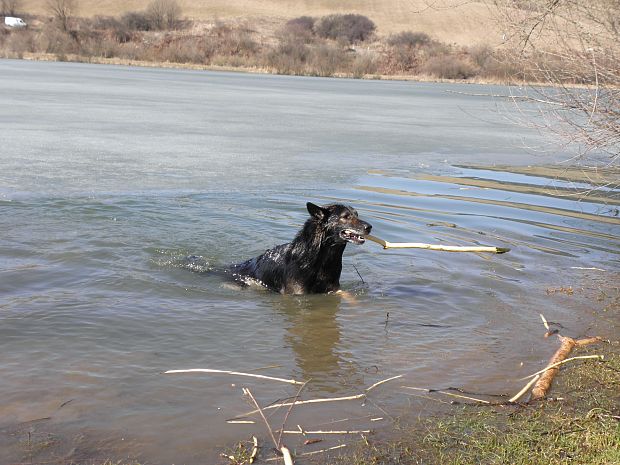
[[444, 248]]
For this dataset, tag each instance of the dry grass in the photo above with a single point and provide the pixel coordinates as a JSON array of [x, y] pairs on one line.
[[466, 24]]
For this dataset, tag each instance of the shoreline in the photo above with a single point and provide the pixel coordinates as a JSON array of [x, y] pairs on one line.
[[72, 58]]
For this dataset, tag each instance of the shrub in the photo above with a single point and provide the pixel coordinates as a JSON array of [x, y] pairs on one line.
[[163, 14], [20, 42], [302, 23], [223, 40], [55, 41], [63, 11], [449, 67], [102, 22], [350, 27], [136, 21], [184, 50], [302, 27], [326, 60], [289, 57], [481, 55], [99, 46], [409, 39], [10, 7], [363, 64]]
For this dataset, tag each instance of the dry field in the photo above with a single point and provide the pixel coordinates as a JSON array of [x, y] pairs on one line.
[[449, 21]]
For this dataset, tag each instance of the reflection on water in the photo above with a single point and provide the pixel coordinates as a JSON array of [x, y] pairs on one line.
[[313, 333]]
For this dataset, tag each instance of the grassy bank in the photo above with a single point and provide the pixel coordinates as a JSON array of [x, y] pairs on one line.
[[579, 423], [583, 426]]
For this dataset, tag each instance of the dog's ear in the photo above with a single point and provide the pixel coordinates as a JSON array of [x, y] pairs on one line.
[[317, 212]]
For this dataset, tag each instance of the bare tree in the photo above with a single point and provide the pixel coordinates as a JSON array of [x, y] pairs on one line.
[[163, 14], [62, 11], [574, 46], [10, 7]]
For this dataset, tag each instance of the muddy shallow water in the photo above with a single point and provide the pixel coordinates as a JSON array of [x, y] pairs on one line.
[[111, 176]]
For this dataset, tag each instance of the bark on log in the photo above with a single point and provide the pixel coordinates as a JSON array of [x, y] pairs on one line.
[[567, 344]]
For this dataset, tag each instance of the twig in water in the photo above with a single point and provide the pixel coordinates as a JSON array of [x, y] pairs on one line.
[[289, 412], [328, 399], [249, 394], [561, 362], [379, 383], [567, 344], [307, 442], [358, 273], [254, 449], [286, 454], [236, 373], [304, 432], [482, 401], [306, 454], [518, 395]]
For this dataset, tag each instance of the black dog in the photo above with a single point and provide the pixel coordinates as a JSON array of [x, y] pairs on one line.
[[312, 262]]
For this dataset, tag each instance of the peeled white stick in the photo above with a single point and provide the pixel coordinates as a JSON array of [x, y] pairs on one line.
[[444, 248], [286, 455], [236, 373]]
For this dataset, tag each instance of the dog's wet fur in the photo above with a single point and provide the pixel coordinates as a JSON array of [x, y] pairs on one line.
[[312, 262]]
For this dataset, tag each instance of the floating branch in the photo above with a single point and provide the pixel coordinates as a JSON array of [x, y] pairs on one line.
[[310, 401], [249, 394], [286, 455], [444, 248], [306, 454], [235, 373], [289, 412], [304, 432], [254, 449], [379, 383], [327, 399], [482, 401], [526, 388], [562, 362]]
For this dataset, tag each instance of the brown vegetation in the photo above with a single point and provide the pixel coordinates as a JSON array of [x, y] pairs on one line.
[[568, 41], [334, 45], [331, 45]]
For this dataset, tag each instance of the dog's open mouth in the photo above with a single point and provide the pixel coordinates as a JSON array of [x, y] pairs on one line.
[[352, 236]]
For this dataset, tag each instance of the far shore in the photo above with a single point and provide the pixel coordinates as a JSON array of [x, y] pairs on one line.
[[422, 78]]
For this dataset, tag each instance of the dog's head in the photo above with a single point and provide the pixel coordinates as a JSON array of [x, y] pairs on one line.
[[341, 223]]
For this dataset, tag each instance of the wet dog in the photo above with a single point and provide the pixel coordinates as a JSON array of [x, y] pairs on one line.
[[312, 262]]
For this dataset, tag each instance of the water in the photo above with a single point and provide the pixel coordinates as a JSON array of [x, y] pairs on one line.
[[110, 176]]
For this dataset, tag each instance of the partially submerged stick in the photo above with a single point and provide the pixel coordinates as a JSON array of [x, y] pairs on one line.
[[567, 344], [304, 432], [328, 399], [526, 388], [482, 401], [236, 373], [444, 248]]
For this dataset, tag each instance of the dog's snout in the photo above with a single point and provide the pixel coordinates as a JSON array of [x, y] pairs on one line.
[[367, 228]]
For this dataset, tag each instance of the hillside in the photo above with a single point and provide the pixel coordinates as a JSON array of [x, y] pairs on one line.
[[465, 24]]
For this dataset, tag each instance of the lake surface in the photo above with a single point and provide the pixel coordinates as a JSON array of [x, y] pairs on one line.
[[111, 176]]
